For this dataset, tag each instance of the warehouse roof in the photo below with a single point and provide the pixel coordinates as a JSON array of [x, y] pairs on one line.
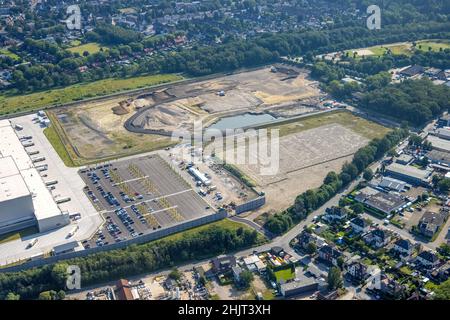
[[24, 178], [392, 184], [409, 171], [439, 143], [12, 184], [43, 202], [444, 133], [439, 156], [10, 145]]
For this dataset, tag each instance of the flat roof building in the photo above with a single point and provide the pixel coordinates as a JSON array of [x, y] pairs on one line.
[[381, 201], [301, 285], [439, 157], [443, 133], [24, 198], [392, 184], [439, 143], [16, 203], [404, 159], [409, 174]]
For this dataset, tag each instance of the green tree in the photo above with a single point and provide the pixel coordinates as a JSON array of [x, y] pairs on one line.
[[12, 296], [368, 174], [357, 208], [246, 279], [334, 278], [442, 292], [46, 295], [311, 248], [444, 185], [175, 274]]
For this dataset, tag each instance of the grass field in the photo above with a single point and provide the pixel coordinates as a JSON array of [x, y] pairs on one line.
[[224, 223], [18, 234], [10, 104], [91, 47], [361, 126], [405, 48], [55, 141], [10, 54], [434, 45], [285, 274]]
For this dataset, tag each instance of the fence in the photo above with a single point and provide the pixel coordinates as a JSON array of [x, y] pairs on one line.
[[251, 205], [121, 245]]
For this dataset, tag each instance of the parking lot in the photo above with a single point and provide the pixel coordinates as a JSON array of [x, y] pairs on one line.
[[138, 196]]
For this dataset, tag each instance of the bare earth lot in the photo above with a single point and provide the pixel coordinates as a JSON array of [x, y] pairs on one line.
[[304, 160], [95, 132], [309, 149]]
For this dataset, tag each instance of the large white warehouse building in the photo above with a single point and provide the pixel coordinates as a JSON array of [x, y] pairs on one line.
[[25, 201]]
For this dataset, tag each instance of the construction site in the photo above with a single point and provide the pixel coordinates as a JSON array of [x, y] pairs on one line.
[[128, 124], [316, 136], [308, 149]]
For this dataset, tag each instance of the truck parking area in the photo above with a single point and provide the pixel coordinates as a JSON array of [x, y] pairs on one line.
[[138, 196]]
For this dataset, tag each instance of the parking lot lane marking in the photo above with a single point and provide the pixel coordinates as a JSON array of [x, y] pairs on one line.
[[150, 200], [130, 180], [157, 211]]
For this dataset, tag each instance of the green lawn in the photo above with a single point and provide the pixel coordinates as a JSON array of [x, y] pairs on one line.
[[406, 270], [434, 45], [10, 103], [91, 47], [405, 48], [285, 274], [17, 234]]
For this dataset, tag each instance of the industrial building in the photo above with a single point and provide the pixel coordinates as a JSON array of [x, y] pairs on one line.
[[25, 200], [439, 143], [439, 157], [443, 133], [392, 184], [381, 201], [300, 286], [409, 174]]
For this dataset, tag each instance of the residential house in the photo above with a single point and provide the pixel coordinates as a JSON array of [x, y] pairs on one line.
[[430, 223], [358, 271], [277, 251], [335, 214], [377, 238], [237, 273], [428, 259], [390, 287], [359, 225], [329, 255], [254, 263], [223, 264], [305, 238], [412, 71], [442, 273], [403, 246]]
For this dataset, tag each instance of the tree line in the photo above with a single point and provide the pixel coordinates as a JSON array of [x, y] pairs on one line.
[[61, 67], [415, 101], [133, 260]]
